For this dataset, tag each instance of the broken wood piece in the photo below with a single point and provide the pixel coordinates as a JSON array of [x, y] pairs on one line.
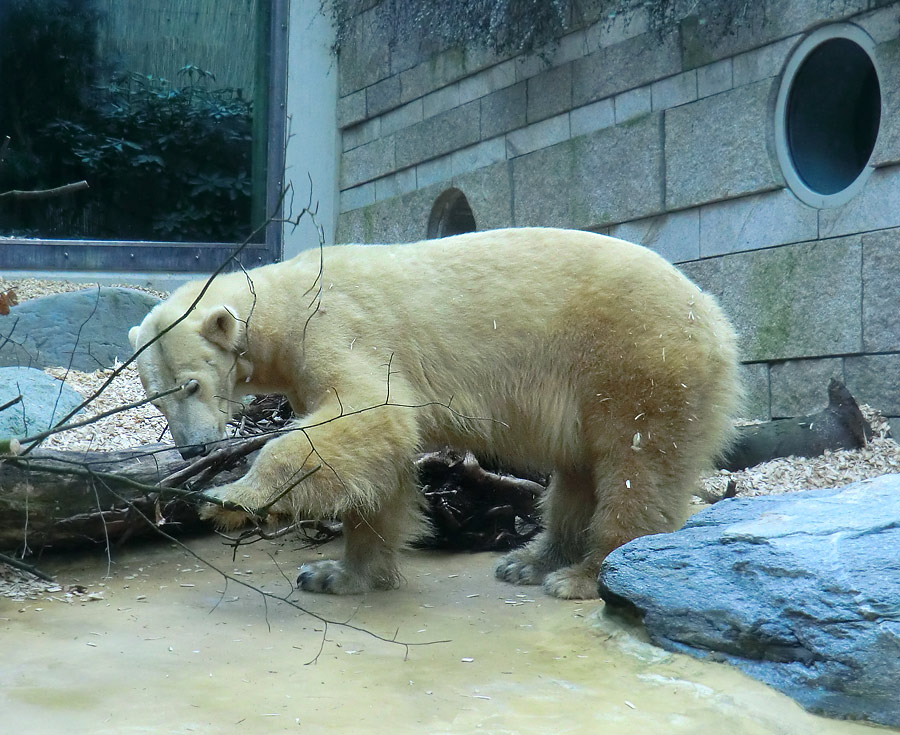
[[840, 425]]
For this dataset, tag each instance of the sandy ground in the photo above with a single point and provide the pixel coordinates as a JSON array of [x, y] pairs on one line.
[[164, 646]]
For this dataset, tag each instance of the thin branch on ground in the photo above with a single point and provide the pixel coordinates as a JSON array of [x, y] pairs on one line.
[[10, 404], [23, 196], [19, 564]]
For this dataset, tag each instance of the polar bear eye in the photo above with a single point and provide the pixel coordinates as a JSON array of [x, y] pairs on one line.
[[191, 387]]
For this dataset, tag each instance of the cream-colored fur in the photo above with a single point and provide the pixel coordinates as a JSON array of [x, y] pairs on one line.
[[556, 350]]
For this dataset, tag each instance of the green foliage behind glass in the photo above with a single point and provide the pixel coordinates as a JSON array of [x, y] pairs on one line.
[[164, 161]]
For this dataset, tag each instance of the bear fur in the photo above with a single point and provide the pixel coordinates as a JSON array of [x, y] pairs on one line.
[[551, 350]]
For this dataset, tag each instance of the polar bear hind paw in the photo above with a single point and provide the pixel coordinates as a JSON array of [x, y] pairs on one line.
[[572, 583]]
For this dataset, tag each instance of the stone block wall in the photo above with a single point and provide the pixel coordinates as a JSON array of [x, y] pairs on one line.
[[664, 138]]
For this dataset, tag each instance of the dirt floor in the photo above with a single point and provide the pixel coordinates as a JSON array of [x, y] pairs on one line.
[[162, 645]]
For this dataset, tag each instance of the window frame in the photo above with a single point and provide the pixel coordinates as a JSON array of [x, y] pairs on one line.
[[45, 254]]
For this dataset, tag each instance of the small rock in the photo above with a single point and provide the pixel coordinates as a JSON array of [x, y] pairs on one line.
[[45, 400], [93, 323], [799, 590]]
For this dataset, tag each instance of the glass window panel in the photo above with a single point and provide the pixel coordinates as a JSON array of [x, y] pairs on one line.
[[160, 105]]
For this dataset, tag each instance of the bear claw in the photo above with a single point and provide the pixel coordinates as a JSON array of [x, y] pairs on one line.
[[330, 577], [518, 571]]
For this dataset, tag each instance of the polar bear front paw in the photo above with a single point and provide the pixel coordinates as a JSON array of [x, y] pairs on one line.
[[331, 577], [519, 568], [225, 520]]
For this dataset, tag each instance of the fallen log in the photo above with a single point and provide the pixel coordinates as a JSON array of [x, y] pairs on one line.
[[62, 499], [840, 425]]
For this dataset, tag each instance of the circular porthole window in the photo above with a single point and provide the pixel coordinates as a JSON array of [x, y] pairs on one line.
[[827, 115], [451, 215]]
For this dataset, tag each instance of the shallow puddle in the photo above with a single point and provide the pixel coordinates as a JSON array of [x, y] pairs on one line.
[[170, 648]]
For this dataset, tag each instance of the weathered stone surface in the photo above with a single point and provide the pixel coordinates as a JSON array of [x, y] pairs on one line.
[[400, 219], [618, 173], [45, 400], [632, 104], [756, 221], [764, 62], [440, 134], [799, 386], [93, 324], [609, 175], [503, 110], [395, 184], [487, 81], [538, 135], [876, 207], [799, 300], [441, 100], [441, 69], [887, 147], [881, 291], [714, 78], [675, 236], [711, 34], [550, 93], [554, 168], [716, 147], [368, 162], [365, 55], [755, 381], [673, 91], [631, 63], [488, 193], [357, 135], [435, 170], [382, 96], [358, 196], [594, 116], [873, 379], [478, 156], [351, 109], [612, 30], [801, 591], [402, 117]]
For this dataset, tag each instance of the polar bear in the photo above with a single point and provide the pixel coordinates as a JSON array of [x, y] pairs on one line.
[[562, 351]]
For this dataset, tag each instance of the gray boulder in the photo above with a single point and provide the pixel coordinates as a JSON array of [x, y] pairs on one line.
[[93, 323], [41, 393], [801, 591]]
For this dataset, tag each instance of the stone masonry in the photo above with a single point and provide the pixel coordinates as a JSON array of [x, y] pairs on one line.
[[664, 138]]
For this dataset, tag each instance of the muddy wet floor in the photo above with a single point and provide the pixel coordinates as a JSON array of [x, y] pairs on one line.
[[170, 648]]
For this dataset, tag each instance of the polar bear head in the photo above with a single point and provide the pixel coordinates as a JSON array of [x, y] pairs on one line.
[[202, 355]]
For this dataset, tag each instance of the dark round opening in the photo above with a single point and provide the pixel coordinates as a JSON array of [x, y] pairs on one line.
[[451, 215], [833, 114]]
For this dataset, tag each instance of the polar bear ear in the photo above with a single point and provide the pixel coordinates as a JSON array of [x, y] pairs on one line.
[[222, 327], [133, 336]]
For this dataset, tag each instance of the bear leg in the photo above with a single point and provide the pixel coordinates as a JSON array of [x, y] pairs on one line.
[[567, 509], [631, 501], [372, 541]]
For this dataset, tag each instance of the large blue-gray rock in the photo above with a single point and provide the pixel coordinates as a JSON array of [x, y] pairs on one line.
[[93, 323], [801, 591], [45, 400]]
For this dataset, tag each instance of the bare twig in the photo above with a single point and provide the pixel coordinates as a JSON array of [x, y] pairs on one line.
[[45, 193], [10, 404], [37, 438], [19, 564]]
